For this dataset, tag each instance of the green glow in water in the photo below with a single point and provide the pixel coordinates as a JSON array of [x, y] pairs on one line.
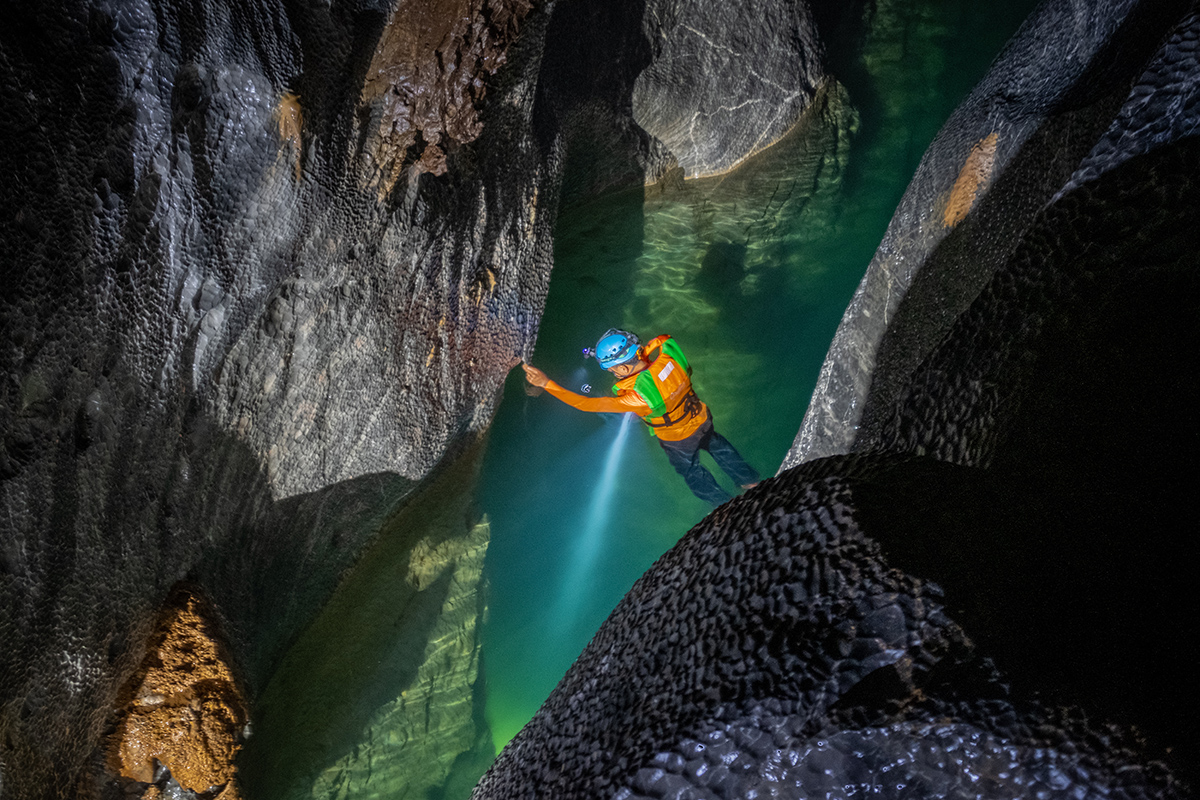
[[750, 272]]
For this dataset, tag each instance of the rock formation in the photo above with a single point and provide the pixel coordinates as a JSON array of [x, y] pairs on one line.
[[229, 355], [266, 268], [775, 652], [349, 714], [185, 712], [1011, 146], [707, 95]]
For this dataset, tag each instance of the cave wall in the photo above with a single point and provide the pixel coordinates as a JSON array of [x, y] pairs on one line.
[[230, 350], [1015, 142], [266, 269]]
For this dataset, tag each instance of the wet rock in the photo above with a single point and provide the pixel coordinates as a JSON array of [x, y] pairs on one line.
[[225, 358], [185, 716], [639, 717], [1008, 149], [412, 742], [427, 80], [268, 268]]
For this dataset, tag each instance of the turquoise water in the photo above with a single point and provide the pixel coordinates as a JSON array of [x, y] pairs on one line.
[[750, 272]]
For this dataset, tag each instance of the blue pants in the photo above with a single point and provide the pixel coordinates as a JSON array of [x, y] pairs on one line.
[[685, 458]]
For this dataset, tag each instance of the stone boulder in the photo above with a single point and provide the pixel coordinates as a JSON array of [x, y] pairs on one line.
[[726, 79]]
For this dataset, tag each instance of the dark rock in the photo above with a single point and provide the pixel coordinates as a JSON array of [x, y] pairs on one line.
[[1041, 347], [191, 390], [427, 77], [266, 268], [950, 719], [1048, 100]]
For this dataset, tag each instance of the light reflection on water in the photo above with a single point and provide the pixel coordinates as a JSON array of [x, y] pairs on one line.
[[580, 564]]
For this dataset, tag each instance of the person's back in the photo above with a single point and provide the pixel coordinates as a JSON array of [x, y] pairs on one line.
[[654, 382]]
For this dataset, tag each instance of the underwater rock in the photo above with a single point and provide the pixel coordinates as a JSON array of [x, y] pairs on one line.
[[1047, 101], [412, 743], [724, 220], [353, 710]]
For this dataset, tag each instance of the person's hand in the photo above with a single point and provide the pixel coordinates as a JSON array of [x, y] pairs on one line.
[[535, 376]]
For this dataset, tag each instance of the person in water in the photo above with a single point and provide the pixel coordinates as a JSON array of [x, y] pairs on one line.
[[655, 383]]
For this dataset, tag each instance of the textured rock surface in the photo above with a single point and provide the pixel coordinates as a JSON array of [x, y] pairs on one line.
[[775, 652], [426, 79], [726, 80], [266, 266], [185, 717], [1047, 101], [764, 600], [213, 369]]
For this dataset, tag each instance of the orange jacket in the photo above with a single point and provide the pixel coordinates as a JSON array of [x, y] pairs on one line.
[[671, 380]]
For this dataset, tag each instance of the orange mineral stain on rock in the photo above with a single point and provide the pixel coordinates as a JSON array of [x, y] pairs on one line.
[[975, 174], [291, 120], [184, 709]]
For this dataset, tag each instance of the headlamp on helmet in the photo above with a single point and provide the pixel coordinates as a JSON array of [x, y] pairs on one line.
[[616, 347]]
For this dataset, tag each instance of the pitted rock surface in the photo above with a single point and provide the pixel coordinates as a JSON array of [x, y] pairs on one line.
[[776, 595], [1163, 107], [775, 653], [1048, 99], [1083, 264], [266, 268], [764, 757]]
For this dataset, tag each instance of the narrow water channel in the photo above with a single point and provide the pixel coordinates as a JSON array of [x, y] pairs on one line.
[[750, 272]]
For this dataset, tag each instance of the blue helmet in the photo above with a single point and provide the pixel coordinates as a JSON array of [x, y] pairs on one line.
[[616, 347]]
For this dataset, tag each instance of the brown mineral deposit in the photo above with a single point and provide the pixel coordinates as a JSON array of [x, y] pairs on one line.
[[291, 120], [973, 176], [426, 80], [185, 710]]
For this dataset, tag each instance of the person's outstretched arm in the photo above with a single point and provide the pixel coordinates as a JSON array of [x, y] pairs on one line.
[[630, 401]]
